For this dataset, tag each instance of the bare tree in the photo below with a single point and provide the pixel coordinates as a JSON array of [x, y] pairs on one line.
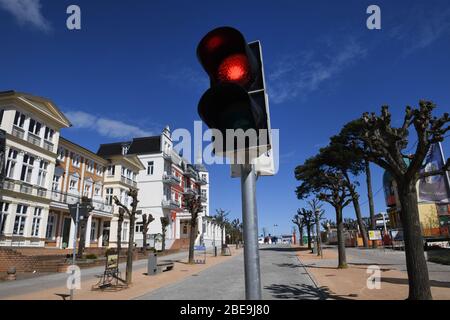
[[300, 223], [146, 220], [133, 193], [384, 145], [221, 219], [164, 224], [193, 205]]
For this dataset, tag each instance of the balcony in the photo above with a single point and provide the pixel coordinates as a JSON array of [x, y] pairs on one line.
[[171, 205], [72, 198], [23, 187], [18, 132], [128, 181], [190, 191], [202, 181], [167, 156], [191, 172], [48, 146], [203, 198], [34, 139], [171, 179]]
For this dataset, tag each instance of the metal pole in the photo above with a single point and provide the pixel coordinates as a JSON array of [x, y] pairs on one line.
[[250, 221], [75, 234]]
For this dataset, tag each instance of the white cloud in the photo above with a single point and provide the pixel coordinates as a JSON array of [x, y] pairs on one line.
[[422, 26], [300, 74], [26, 11], [105, 127]]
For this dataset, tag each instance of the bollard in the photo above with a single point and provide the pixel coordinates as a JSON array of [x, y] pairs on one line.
[[152, 264]]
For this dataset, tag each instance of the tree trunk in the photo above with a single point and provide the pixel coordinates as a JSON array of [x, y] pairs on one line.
[[362, 228], [129, 275], [144, 241], [373, 223], [416, 265], [342, 259], [119, 239], [301, 237], [318, 242], [192, 236], [163, 244], [82, 235], [308, 230]]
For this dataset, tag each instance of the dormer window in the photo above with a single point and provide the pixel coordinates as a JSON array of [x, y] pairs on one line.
[[125, 148]]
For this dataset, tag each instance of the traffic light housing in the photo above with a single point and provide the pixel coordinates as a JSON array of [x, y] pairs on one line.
[[237, 97]]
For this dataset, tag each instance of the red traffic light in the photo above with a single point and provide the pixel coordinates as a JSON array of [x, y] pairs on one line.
[[227, 58]]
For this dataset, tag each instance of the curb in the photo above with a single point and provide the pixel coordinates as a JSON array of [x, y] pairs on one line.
[[313, 279]]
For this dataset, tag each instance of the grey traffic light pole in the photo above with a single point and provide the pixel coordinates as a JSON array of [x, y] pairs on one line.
[[250, 221]]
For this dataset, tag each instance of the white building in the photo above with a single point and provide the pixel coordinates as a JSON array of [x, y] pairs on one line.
[[166, 177]]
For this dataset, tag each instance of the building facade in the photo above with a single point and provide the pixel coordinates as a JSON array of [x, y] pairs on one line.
[[45, 174]]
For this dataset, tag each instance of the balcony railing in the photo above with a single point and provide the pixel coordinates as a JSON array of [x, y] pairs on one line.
[[71, 198], [23, 187], [171, 179], [167, 156], [18, 132], [128, 181], [203, 198], [172, 205], [191, 172], [49, 146], [202, 181], [190, 191], [34, 139]]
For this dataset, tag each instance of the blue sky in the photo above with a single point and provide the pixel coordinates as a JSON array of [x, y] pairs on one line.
[[132, 69]]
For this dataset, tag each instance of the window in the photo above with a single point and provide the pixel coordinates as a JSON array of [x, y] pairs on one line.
[[19, 119], [27, 168], [42, 175], [36, 222], [99, 170], [150, 166], [49, 234], [90, 166], [4, 210], [73, 185], [204, 176], [109, 196], [87, 189], [111, 170], [34, 127], [55, 184], [123, 172], [125, 230], [11, 163], [97, 190], [94, 230], [124, 197], [139, 227], [75, 160], [61, 154], [20, 219], [48, 135]]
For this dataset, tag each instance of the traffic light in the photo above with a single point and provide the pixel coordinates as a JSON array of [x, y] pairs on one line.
[[237, 97]]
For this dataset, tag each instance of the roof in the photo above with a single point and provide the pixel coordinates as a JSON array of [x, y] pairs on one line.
[[146, 145], [86, 150]]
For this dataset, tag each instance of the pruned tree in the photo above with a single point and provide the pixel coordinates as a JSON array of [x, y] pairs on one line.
[[347, 162], [164, 224], [330, 186], [131, 212], [221, 219], [316, 208], [326, 224], [385, 146], [298, 221], [236, 233], [120, 218], [350, 130], [193, 204], [307, 216], [146, 220]]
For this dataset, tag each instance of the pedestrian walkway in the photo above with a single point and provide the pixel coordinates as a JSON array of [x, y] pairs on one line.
[[352, 283], [282, 277]]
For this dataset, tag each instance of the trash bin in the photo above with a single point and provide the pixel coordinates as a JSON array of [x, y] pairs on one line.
[[151, 264]]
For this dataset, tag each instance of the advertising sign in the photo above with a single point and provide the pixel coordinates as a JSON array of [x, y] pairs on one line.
[[375, 235], [434, 188]]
